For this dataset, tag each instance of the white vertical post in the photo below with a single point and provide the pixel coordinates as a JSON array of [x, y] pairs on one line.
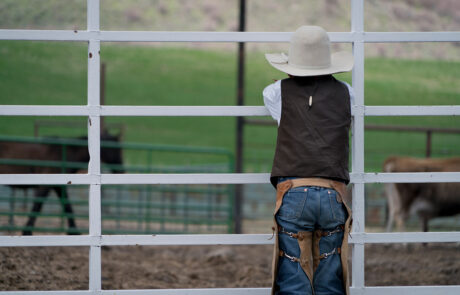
[[357, 26], [94, 167], [92, 10]]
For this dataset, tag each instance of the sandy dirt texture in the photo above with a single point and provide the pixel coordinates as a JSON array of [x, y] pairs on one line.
[[153, 267]]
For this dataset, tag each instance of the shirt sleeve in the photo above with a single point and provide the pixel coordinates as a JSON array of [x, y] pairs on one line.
[[272, 100], [351, 92]]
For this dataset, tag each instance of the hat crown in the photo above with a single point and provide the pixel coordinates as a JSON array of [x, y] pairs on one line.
[[310, 48]]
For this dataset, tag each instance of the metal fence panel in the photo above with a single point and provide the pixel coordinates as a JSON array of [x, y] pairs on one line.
[[94, 110]]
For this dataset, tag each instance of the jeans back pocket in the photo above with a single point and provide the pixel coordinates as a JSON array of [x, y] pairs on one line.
[[337, 208], [293, 203]]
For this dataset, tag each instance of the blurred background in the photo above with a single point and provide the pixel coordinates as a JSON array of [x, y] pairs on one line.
[[55, 73]]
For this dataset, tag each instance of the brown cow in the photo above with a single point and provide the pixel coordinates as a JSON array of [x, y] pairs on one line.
[[427, 200]]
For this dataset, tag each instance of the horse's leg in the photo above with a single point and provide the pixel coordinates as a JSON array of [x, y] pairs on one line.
[[40, 195], [62, 195]]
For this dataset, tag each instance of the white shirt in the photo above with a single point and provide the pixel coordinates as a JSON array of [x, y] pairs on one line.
[[272, 98]]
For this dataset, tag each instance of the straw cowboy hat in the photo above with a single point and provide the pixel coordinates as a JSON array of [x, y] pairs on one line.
[[310, 55]]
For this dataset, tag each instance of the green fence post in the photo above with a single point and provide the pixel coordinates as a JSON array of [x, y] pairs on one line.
[[162, 214], [12, 209], [118, 208], [186, 212], [149, 193], [139, 211], [63, 188], [230, 189]]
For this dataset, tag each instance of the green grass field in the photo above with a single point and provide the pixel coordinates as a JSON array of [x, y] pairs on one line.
[[54, 73]]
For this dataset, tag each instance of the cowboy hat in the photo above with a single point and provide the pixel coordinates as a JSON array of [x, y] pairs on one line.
[[310, 55]]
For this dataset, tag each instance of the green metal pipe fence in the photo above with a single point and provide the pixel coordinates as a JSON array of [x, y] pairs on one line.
[[127, 208]]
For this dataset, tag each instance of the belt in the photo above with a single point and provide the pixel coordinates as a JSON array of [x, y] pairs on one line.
[[284, 186]]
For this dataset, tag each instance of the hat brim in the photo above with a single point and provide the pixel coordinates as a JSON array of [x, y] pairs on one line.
[[340, 62]]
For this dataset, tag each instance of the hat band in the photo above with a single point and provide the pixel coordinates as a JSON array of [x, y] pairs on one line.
[[309, 67]]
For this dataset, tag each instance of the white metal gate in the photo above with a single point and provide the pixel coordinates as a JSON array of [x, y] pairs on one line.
[[93, 110]]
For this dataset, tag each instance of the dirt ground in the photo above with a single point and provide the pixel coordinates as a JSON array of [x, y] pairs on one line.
[[142, 267]]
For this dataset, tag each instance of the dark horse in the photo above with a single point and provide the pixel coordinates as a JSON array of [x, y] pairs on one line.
[[53, 152]]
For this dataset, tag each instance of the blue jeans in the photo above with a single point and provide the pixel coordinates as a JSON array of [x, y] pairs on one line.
[[310, 208]]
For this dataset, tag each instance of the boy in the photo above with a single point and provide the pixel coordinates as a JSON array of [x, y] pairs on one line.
[[310, 167]]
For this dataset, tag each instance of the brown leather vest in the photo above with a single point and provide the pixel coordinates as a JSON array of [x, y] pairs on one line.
[[313, 140]]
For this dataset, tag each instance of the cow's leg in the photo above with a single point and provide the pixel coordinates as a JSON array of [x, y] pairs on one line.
[[425, 228], [424, 209], [400, 218], [425, 224], [391, 194], [424, 221], [40, 195], [62, 195], [400, 213]]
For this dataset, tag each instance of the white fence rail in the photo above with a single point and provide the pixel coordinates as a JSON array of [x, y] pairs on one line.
[[214, 178], [222, 239], [416, 290], [213, 111], [218, 37], [93, 36]]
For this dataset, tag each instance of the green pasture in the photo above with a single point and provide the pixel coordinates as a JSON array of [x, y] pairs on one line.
[[55, 73]]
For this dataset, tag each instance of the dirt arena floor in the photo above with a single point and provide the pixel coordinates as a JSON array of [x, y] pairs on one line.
[[142, 267]]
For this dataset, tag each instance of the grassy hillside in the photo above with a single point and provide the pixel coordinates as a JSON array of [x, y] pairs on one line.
[[55, 74], [262, 15]]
